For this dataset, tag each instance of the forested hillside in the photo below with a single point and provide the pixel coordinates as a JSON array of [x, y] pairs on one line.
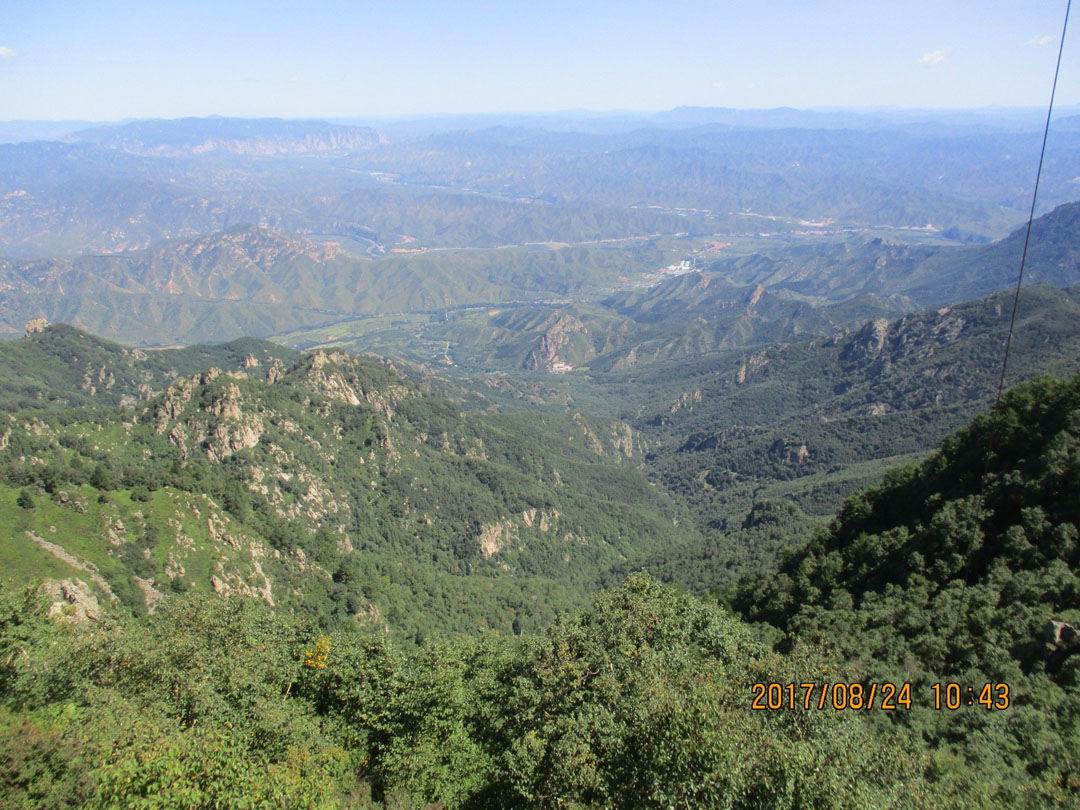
[[949, 572], [57, 365], [923, 275], [332, 486], [963, 569], [253, 281]]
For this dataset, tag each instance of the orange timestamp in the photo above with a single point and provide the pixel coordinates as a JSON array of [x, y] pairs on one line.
[[825, 695], [952, 696], [881, 696]]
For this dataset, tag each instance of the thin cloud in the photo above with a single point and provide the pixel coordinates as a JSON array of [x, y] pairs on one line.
[[6, 52], [931, 58], [1040, 41], [718, 85]]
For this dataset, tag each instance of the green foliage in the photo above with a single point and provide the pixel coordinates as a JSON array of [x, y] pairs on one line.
[[63, 367], [950, 571], [42, 766], [157, 768], [350, 470], [642, 700]]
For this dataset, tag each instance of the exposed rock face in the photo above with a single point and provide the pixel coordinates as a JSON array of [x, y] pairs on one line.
[[545, 357], [336, 376], [1061, 640], [755, 296], [72, 600], [61, 554], [227, 428], [171, 405], [152, 597], [92, 379], [622, 437], [868, 341], [205, 265], [1060, 633], [35, 325], [225, 584], [790, 453], [839, 334], [757, 361], [492, 538], [591, 440], [686, 400], [542, 519]]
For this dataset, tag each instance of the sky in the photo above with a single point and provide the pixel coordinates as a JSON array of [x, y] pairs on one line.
[[113, 59]]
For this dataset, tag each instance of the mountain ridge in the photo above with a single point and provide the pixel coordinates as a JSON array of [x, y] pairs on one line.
[[238, 136]]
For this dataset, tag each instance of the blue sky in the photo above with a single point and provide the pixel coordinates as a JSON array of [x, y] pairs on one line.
[[109, 59]]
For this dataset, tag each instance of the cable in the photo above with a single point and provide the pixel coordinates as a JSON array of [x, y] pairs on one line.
[[1031, 215]]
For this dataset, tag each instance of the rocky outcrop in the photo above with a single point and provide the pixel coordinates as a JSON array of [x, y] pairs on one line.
[[591, 440], [172, 402], [226, 583], [224, 430], [337, 377], [755, 297], [686, 400], [61, 554], [1060, 640], [622, 438], [542, 519], [492, 538], [789, 453], [93, 379], [35, 325], [756, 362], [545, 357], [72, 600], [868, 341], [152, 597]]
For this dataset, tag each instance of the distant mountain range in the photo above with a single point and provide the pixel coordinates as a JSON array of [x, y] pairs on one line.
[[789, 294], [126, 186], [238, 136], [921, 275], [250, 280]]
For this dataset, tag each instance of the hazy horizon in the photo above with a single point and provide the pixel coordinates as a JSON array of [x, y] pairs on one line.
[[988, 110], [331, 59]]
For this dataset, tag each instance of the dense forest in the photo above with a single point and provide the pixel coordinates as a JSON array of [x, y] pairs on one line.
[[950, 571]]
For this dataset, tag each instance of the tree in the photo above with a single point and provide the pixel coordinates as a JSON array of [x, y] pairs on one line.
[[100, 478]]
